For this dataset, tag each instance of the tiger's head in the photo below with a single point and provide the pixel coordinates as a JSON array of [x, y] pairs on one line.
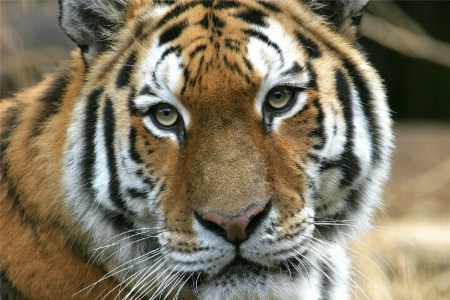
[[215, 146]]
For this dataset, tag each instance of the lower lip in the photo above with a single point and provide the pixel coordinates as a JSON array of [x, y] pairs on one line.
[[241, 268]]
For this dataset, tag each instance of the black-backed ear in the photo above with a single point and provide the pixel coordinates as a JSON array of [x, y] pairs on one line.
[[344, 15], [92, 24]]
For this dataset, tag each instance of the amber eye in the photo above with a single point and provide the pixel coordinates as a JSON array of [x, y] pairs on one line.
[[280, 98], [165, 115]]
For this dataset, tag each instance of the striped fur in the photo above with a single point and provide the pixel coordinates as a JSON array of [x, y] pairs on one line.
[[99, 201]]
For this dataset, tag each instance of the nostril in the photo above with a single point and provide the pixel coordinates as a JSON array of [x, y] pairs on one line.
[[235, 229], [210, 225], [258, 219]]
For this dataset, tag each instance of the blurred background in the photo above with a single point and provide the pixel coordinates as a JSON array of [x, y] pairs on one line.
[[407, 254]]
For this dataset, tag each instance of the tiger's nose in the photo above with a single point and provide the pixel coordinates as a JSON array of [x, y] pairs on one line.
[[235, 229]]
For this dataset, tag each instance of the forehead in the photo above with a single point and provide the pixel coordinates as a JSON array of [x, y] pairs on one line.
[[200, 46]]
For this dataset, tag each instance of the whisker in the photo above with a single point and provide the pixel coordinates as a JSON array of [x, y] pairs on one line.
[[328, 262], [182, 285], [315, 267], [140, 259], [149, 271], [181, 275], [145, 257], [366, 257], [101, 249], [163, 284], [388, 230], [365, 279], [195, 285]]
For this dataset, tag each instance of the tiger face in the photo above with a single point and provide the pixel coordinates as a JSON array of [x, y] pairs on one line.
[[212, 146]]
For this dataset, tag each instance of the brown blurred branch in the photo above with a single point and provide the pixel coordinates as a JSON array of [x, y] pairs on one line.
[[391, 12], [412, 42]]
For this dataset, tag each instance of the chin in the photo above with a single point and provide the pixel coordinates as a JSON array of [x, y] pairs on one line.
[[243, 280]]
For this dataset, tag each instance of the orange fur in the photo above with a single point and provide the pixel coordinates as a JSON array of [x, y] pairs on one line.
[[36, 230]]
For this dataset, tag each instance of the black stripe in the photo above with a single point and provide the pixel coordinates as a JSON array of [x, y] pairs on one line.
[[326, 281], [88, 159], [161, 190], [262, 37], [166, 2], [218, 22], [232, 44], [11, 190], [233, 66], [319, 130], [139, 30], [348, 161], [352, 205], [354, 200], [248, 64], [136, 193], [147, 180], [147, 90], [315, 158], [270, 6], [10, 121], [52, 99], [175, 12], [53, 95], [123, 78], [172, 33], [312, 49], [119, 221], [295, 69], [172, 49], [364, 94], [197, 50], [252, 17], [204, 22], [300, 167], [236, 69], [134, 154], [14, 197], [109, 133], [186, 76], [227, 4], [312, 83], [134, 111], [8, 291]]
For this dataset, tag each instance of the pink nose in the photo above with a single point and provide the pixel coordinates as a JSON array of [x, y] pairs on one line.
[[237, 227]]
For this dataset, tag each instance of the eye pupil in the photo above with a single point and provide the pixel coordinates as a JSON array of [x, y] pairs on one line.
[[279, 98], [165, 115]]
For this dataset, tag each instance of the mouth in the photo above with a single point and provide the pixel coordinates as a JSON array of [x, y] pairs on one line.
[[241, 271], [241, 267]]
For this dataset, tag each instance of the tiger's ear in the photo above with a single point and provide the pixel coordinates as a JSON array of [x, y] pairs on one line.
[[92, 24], [344, 15]]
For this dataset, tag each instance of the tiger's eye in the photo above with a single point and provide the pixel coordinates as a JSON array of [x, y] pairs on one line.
[[279, 97], [165, 114]]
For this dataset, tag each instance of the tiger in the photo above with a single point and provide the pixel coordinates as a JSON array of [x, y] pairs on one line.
[[195, 149]]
